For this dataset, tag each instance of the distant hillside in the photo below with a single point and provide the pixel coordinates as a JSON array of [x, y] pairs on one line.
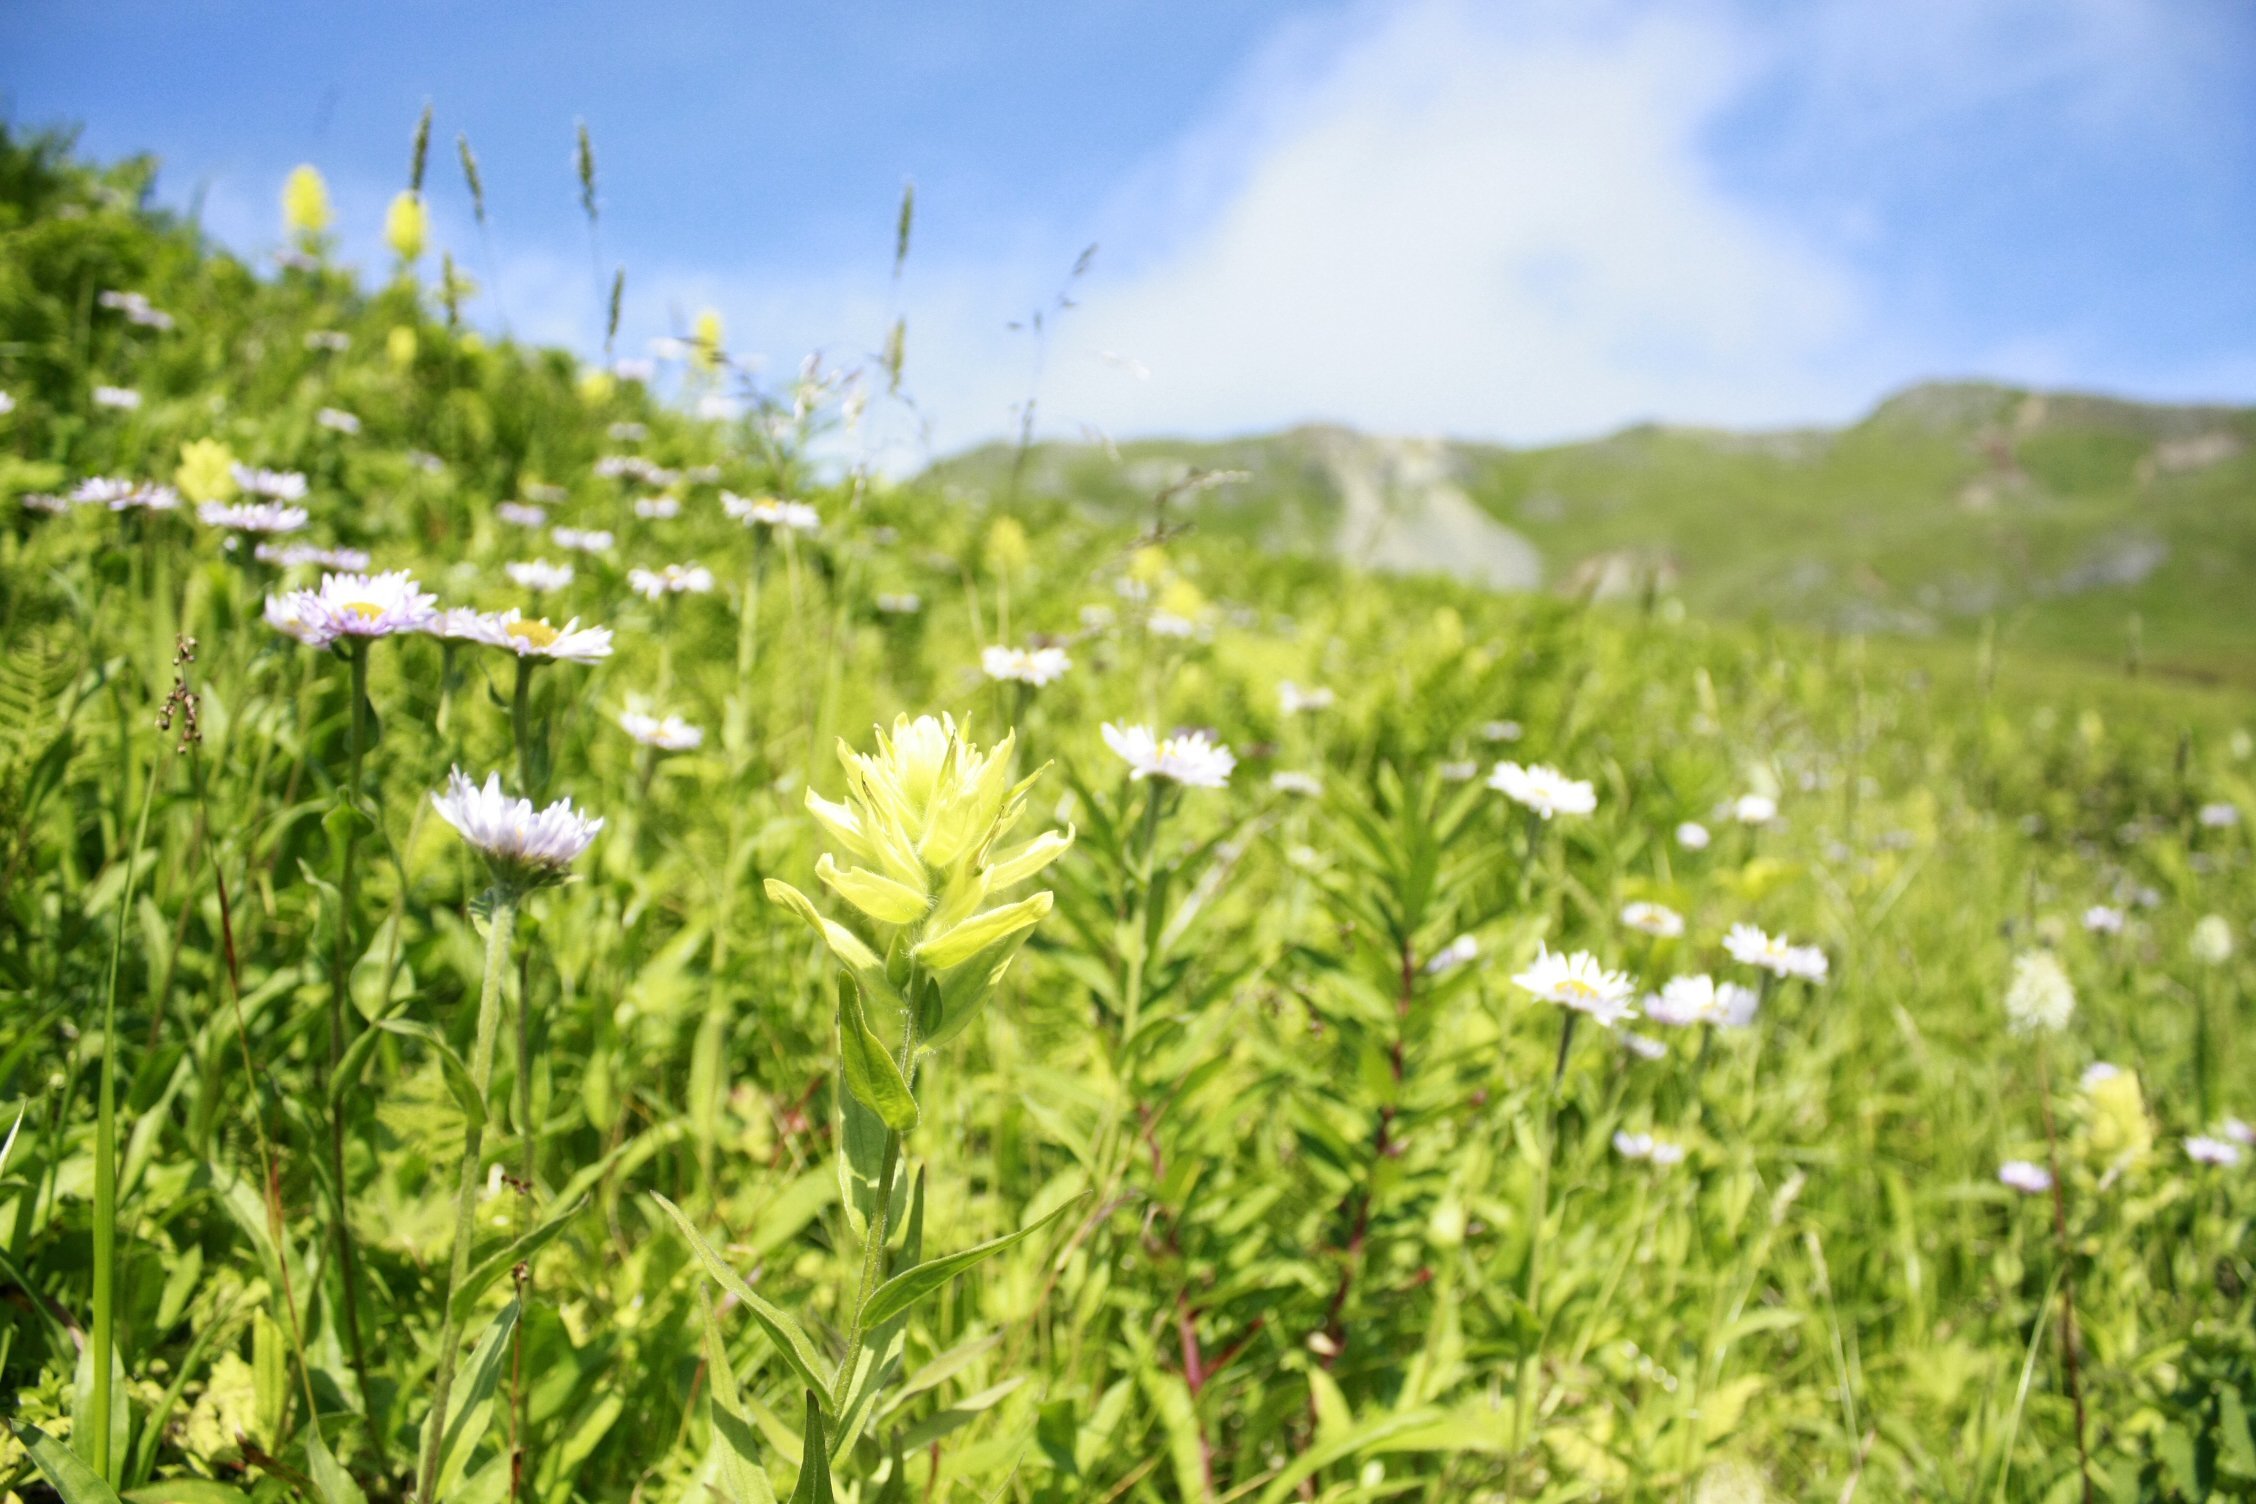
[[2058, 517]]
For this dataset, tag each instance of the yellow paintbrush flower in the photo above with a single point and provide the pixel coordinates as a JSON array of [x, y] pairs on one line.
[[305, 202], [407, 225], [207, 471]]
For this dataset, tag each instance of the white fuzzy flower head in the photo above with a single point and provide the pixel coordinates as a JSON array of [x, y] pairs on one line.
[[1805, 963], [1581, 983], [123, 398], [2238, 1131], [1643, 1046], [539, 575], [673, 734], [904, 603], [7, 404], [1774, 953], [522, 514], [1168, 624], [1458, 772], [337, 420], [354, 605], [1190, 759], [1683, 1001], [525, 850], [292, 555], [2040, 999], [1692, 836], [1291, 781], [1543, 789], [2029, 1179], [2098, 1072], [2220, 816], [2212, 942], [1293, 699], [594, 540], [1036, 666], [41, 501], [1503, 731], [1459, 952], [274, 485], [268, 517], [657, 508], [2204, 1150], [2102, 920], [674, 579], [1655, 919]]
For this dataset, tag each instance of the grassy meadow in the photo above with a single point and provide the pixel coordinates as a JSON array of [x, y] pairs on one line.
[[998, 1113]]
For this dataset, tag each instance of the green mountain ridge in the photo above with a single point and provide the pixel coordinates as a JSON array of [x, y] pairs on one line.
[[2063, 522]]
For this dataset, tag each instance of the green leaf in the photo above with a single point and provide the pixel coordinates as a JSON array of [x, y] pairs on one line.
[[500, 1262], [961, 993], [962, 1413], [852, 954], [870, 1072], [346, 1079], [186, 1490], [912, 1285], [73, 1479], [797, 1348], [814, 1471], [861, 1163], [732, 1432], [469, 1405], [458, 1078], [336, 1485]]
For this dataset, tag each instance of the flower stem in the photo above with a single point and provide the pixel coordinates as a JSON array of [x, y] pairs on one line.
[[103, 1338], [500, 926], [521, 728], [1539, 1208], [2067, 1281], [1132, 991], [873, 1246], [340, 984]]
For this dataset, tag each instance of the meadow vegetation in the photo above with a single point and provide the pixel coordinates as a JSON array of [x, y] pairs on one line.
[[1235, 1030]]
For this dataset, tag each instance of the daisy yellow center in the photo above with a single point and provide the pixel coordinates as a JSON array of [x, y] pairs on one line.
[[1578, 987], [365, 610], [539, 633]]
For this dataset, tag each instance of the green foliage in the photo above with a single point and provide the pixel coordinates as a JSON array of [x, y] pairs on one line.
[[1238, 1174]]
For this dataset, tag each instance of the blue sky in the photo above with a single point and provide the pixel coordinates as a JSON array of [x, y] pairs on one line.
[[1524, 221]]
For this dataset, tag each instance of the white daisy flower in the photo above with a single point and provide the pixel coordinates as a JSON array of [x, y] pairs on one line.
[[1459, 772], [2102, 920], [137, 309], [121, 495], [2202, 1149], [657, 508], [908, 603], [291, 555], [1097, 618], [123, 398], [525, 850], [546, 495], [1579, 982], [570, 643], [1168, 624], [2097, 1072], [2027, 1178], [1036, 666], [2220, 816], [1644, 1047], [1644, 1146], [585, 540], [1502, 731], [253, 517], [275, 485], [1289, 781], [337, 420], [7, 404], [674, 579], [355, 605], [2040, 998], [539, 574], [1683, 1001], [673, 734], [1655, 919], [1754, 809], [1459, 952], [1295, 699], [2238, 1131], [1543, 789], [429, 464], [521, 514], [1735, 1006], [1191, 759], [768, 511], [1692, 836], [41, 501], [1774, 953]]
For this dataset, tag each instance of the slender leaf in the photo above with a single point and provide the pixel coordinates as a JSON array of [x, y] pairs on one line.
[[797, 1348], [910, 1286]]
